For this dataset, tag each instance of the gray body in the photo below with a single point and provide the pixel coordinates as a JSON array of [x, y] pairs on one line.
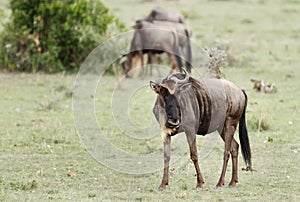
[[205, 106], [151, 38], [184, 35]]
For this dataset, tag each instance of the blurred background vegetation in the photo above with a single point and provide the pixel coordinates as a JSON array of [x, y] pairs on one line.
[[53, 36]]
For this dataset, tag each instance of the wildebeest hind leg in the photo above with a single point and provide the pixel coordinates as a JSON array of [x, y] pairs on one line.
[[234, 157], [194, 156], [227, 136]]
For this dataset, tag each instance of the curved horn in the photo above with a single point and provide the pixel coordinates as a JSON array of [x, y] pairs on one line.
[[185, 80]]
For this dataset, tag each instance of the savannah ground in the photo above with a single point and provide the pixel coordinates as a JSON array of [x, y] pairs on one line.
[[42, 158]]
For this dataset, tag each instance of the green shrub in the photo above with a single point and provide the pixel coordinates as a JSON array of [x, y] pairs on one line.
[[53, 36]]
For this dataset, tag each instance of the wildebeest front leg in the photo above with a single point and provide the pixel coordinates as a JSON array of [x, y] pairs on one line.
[[174, 64], [155, 61], [194, 157], [167, 150]]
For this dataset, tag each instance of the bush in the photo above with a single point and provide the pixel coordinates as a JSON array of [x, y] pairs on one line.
[[53, 36]]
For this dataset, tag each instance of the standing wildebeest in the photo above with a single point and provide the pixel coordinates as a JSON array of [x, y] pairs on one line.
[[163, 15], [184, 35], [149, 38], [201, 106]]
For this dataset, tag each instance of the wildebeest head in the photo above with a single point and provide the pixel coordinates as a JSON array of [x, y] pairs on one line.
[[169, 90], [129, 63], [124, 62]]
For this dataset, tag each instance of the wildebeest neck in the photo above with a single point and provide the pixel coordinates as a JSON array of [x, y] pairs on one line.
[[204, 104]]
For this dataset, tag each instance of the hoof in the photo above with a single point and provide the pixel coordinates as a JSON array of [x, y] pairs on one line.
[[199, 188], [160, 188], [232, 184], [248, 168], [219, 185]]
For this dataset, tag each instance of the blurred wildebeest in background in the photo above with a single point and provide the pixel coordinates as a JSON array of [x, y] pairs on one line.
[[163, 15], [158, 19], [202, 106], [184, 35], [149, 38]]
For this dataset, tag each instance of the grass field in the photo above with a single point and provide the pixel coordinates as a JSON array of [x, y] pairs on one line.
[[43, 158]]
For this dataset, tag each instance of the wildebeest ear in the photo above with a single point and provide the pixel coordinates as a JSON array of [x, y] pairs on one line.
[[154, 86]]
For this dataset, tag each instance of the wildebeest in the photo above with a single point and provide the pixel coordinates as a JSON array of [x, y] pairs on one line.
[[149, 38], [183, 34], [163, 15], [201, 106]]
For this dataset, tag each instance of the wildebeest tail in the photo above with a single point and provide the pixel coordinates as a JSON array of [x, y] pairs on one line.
[[189, 52], [244, 139]]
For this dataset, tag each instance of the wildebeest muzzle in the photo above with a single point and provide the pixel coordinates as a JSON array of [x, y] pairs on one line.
[[172, 123]]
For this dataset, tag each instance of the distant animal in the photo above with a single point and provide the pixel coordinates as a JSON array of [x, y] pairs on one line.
[[260, 85], [201, 106], [153, 39], [164, 15], [183, 33]]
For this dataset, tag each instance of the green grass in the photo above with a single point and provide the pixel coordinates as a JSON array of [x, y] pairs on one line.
[[39, 144]]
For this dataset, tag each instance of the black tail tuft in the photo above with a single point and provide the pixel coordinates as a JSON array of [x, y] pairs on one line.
[[244, 139]]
